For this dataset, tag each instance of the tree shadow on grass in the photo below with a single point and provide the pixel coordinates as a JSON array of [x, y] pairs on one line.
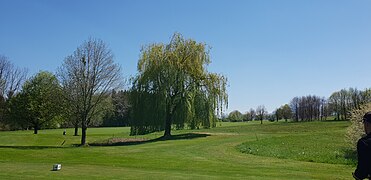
[[115, 142], [33, 147], [62, 145], [128, 142]]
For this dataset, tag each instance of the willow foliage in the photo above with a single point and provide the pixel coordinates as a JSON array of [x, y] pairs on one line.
[[174, 88]]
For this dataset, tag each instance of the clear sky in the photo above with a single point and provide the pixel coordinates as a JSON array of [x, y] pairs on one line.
[[270, 50]]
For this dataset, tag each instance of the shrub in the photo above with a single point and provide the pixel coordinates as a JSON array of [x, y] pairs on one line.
[[356, 130]]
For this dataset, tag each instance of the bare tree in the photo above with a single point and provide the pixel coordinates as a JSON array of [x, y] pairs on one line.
[[307, 108], [11, 78], [87, 77], [342, 102], [339, 104], [261, 112], [324, 112], [294, 105], [252, 114]]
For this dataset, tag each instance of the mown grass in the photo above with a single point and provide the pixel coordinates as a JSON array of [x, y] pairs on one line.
[[326, 146], [212, 155]]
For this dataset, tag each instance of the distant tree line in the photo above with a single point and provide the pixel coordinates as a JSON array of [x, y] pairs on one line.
[[309, 108], [343, 101], [260, 113], [339, 105], [283, 112]]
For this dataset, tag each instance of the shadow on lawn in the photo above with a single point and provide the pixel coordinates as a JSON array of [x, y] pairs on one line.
[[134, 141], [334, 120], [116, 142], [32, 147]]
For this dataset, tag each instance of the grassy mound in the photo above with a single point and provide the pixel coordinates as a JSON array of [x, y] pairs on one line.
[[313, 142], [323, 148]]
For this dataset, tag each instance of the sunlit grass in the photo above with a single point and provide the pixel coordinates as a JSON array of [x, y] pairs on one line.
[[320, 147], [214, 156]]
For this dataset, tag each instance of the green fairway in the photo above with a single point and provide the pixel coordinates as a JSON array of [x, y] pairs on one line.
[[230, 151]]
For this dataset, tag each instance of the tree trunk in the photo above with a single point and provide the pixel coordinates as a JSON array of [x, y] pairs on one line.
[[83, 131], [345, 115], [83, 135], [261, 121], [167, 126], [76, 131], [35, 129], [76, 124]]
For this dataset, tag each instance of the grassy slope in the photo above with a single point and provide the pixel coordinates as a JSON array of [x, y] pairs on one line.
[[310, 143], [24, 155]]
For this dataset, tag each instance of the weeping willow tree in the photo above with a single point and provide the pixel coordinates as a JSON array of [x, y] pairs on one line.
[[173, 88]]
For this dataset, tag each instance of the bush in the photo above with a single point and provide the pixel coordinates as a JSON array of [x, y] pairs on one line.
[[356, 130]]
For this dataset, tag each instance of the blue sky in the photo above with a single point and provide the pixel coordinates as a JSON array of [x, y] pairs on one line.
[[270, 50]]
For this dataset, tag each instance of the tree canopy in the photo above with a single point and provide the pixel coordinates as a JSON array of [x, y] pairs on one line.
[[38, 103], [235, 116], [174, 87]]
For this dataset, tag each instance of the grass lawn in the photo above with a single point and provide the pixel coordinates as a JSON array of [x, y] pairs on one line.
[[230, 151]]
